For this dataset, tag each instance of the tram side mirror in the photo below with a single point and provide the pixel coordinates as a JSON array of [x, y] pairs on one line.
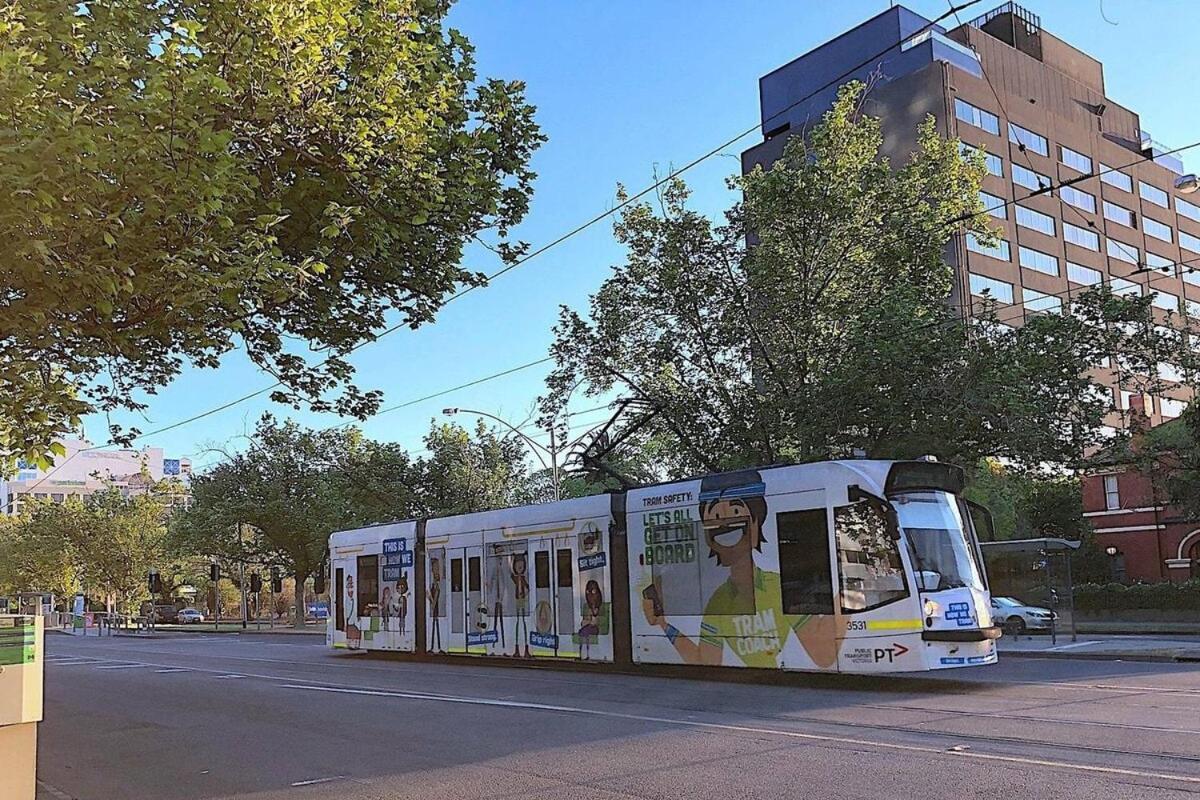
[[856, 494]]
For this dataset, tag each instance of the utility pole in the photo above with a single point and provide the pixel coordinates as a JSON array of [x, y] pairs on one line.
[[242, 573]]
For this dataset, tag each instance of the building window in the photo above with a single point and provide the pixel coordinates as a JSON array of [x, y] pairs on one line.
[[1028, 178], [1040, 301], [1081, 237], [1000, 250], [994, 164], [806, 581], [1035, 220], [1171, 408], [996, 206], [1186, 209], [973, 115], [1038, 261], [1123, 252], [1153, 194], [982, 286], [1155, 261], [1031, 141], [1126, 288], [1192, 308], [1114, 178], [1190, 275], [1120, 215], [1073, 197], [1166, 301], [1076, 161], [1169, 372], [1112, 495], [1189, 242], [1085, 276], [1154, 228]]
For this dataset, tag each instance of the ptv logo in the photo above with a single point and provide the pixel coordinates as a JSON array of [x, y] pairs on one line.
[[890, 653]]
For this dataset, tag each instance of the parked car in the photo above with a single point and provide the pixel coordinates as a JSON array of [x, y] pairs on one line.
[[165, 613], [1016, 617], [189, 615]]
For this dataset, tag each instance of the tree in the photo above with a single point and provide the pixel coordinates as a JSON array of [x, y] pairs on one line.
[[105, 544], [1170, 455], [832, 336], [277, 502], [465, 473], [184, 178]]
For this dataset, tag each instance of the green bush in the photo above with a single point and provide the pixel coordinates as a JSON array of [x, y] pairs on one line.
[[1122, 597]]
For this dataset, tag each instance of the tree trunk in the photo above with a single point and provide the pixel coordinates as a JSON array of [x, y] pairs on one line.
[[298, 620]]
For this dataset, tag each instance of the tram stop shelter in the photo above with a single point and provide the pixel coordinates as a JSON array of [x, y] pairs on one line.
[[1036, 572]]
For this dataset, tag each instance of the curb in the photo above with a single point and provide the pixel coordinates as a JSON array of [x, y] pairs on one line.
[[1161, 658]]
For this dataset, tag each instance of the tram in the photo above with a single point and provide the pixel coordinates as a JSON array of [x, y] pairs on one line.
[[838, 566]]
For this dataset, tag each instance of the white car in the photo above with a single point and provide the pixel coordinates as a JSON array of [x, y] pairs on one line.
[[1016, 617], [189, 615]]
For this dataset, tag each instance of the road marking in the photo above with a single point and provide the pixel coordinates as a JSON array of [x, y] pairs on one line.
[[122, 666], [227, 677], [320, 780], [1071, 646], [169, 670], [911, 748]]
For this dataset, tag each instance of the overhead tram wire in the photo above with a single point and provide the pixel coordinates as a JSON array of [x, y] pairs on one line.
[[952, 11], [600, 216]]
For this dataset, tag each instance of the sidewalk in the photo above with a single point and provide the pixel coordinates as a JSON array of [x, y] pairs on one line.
[[1107, 648]]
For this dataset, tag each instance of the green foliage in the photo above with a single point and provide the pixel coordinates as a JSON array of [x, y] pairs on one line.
[[1170, 455], [278, 502], [1120, 597], [104, 544], [832, 335], [179, 179]]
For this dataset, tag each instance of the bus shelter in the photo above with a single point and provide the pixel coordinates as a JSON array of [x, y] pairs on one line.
[[1036, 572]]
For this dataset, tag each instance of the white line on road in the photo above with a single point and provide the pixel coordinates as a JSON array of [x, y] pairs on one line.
[[169, 670], [1071, 646], [122, 666], [320, 780], [227, 677], [765, 731]]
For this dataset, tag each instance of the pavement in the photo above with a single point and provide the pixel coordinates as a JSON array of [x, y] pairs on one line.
[[266, 718], [1108, 647]]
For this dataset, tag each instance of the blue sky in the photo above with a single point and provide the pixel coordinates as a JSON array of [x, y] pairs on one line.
[[622, 89]]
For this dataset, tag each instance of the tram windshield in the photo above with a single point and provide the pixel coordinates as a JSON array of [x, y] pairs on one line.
[[939, 543]]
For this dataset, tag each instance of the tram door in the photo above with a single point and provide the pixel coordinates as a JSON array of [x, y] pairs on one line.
[[552, 594]]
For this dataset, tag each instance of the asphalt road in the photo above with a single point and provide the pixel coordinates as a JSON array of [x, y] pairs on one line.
[[267, 717]]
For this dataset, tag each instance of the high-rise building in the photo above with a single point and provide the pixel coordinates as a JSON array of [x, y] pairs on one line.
[[82, 471], [1038, 107]]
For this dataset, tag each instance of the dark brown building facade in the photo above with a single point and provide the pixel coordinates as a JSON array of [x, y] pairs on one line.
[[1038, 107]]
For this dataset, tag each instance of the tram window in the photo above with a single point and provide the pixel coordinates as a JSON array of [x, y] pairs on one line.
[[541, 569], [456, 574], [804, 575], [566, 573], [871, 572], [368, 585], [473, 581]]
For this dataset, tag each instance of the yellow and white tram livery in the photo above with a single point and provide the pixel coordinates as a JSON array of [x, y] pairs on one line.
[[850, 566]]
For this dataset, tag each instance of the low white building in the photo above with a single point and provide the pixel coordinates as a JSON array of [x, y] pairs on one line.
[[82, 471]]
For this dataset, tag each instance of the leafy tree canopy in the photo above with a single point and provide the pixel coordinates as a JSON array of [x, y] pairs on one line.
[[187, 177], [833, 334]]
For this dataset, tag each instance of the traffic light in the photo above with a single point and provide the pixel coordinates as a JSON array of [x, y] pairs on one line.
[[153, 581], [214, 572], [319, 581], [276, 581], [255, 582]]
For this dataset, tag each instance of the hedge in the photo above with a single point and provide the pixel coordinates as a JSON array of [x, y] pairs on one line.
[[1122, 597]]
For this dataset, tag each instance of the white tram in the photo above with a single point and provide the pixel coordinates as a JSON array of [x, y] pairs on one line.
[[850, 566]]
